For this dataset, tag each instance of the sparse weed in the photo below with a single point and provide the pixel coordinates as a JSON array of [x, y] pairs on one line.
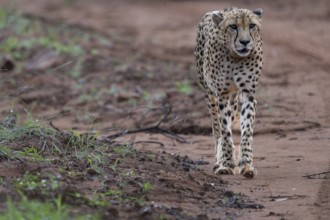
[[88, 149], [151, 156], [82, 142], [150, 98], [115, 196], [2, 179], [132, 102], [13, 129], [75, 72], [115, 165], [184, 87], [101, 200], [95, 96], [35, 210], [30, 182], [147, 187], [130, 173], [161, 217], [32, 153], [24, 35], [6, 153], [123, 150]]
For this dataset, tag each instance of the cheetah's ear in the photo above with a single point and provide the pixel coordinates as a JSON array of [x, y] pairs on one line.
[[217, 17], [259, 12]]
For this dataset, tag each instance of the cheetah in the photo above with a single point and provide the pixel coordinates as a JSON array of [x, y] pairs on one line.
[[228, 54]]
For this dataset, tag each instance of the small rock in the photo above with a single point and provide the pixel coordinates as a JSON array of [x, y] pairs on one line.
[[6, 64], [145, 210]]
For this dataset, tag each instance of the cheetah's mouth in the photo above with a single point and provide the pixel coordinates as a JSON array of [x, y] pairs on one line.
[[243, 51]]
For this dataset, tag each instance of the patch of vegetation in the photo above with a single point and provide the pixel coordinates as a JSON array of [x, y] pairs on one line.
[[123, 151], [88, 149], [35, 182], [81, 150], [12, 128], [34, 210], [147, 186], [28, 34], [115, 197], [184, 87]]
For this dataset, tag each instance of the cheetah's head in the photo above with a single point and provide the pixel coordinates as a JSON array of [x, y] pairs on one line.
[[240, 28]]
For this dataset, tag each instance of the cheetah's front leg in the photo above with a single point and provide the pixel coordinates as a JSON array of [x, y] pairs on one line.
[[225, 163], [245, 164]]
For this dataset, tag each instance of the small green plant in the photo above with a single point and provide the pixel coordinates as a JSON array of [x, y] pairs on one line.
[[147, 187], [161, 217], [115, 165], [123, 150], [184, 87], [100, 199], [81, 141], [9, 44], [87, 148], [7, 153], [150, 98], [32, 153], [75, 72], [130, 173], [117, 195], [13, 129], [30, 182]]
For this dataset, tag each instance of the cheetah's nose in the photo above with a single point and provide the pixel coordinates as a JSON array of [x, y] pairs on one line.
[[244, 42]]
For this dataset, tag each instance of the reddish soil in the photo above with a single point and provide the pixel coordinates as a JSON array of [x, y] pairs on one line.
[[147, 64]]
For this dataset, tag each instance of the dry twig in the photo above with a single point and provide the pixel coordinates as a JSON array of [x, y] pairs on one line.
[[53, 126], [156, 128], [150, 142], [318, 175]]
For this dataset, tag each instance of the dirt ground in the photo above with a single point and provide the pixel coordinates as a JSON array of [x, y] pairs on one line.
[[146, 65]]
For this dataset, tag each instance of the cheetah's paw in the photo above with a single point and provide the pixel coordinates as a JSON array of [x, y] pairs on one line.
[[248, 171], [222, 170]]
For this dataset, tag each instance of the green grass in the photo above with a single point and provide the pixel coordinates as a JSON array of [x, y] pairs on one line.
[[29, 153], [75, 147], [88, 149], [12, 129], [35, 210], [30, 182], [123, 150], [86, 146], [147, 187], [21, 35], [29, 33], [184, 87]]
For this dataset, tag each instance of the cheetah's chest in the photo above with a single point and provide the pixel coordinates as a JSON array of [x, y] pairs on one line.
[[219, 73]]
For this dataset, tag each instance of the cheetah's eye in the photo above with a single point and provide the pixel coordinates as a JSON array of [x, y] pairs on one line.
[[252, 26], [233, 26]]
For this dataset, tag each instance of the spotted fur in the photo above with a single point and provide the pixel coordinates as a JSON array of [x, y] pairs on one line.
[[229, 59]]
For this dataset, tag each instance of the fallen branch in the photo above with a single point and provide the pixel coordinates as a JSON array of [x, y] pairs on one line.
[[156, 128], [53, 126], [281, 198], [318, 175], [149, 142]]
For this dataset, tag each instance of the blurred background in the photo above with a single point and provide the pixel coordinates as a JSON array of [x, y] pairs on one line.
[[116, 64]]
